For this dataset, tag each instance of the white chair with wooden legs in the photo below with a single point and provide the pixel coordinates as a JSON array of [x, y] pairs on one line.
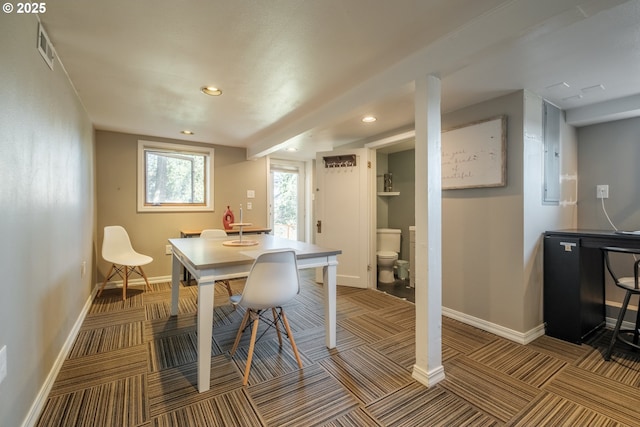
[[213, 233], [117, 249], [273, 281]]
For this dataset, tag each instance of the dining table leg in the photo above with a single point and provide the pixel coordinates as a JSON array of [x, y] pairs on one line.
[[175, 284], [329, 272], [205, 333]]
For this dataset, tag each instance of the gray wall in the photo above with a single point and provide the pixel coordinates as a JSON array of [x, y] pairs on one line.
[[609, 153], [492, 252], [402, 207], [48, 214]]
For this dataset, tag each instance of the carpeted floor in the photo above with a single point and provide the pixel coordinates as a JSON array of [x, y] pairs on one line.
[[134, 365]]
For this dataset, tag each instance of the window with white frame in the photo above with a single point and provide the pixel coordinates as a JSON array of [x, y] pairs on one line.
[[174, 177]]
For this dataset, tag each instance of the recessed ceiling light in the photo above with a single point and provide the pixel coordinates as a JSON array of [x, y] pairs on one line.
[[572, 98], [555, 86], [211, 90], [291, 149], [187, 132], [369, 119], [594, 88]]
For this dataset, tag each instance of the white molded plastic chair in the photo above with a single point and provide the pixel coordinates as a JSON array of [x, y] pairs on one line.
[[273, 281], [117, 249], [213, 233]]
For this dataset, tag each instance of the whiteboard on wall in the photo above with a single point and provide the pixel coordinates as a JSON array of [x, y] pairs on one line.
[[474, 155]]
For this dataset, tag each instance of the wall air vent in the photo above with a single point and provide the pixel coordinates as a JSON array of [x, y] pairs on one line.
[[45, 47]]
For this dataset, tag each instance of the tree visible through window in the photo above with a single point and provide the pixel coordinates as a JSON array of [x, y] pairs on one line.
[[285, 204], [173, 177]]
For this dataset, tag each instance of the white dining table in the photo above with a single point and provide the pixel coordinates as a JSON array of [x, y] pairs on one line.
[[209, 260]]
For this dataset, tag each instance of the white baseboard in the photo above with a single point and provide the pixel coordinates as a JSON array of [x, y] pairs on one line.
[[428, 378], [501, 331], [136, 282]]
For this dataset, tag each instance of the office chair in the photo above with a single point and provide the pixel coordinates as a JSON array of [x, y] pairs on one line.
[[273, 281], [117, 249], [631, 287], [213, 233]]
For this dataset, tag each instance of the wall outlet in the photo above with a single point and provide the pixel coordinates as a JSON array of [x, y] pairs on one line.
[[602, 191], [249, 206], [167, 250], [3, 363]]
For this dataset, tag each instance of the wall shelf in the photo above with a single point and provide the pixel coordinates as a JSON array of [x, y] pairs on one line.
[[388, 193]]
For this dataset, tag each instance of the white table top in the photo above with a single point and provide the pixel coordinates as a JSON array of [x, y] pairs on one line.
[[211, 253]]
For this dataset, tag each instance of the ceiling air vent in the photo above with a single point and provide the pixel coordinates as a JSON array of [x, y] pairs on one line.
[[45, 47]]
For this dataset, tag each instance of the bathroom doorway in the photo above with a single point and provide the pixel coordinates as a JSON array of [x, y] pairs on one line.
[[395, 209]]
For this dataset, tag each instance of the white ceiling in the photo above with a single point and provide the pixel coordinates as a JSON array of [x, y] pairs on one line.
[[302, 73]]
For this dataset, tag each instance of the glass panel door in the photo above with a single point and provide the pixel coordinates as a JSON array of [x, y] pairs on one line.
[[287, 199]]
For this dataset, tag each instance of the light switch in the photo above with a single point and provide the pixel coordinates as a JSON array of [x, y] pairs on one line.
[[251, 194]]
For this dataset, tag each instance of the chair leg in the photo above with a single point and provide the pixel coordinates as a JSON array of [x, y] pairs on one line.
[[106, 279], [254, 332], [275, 324], [240, 330], [144, 276], [636, 331], [616, 330], [228, 286], [125, 281], [293, 343]]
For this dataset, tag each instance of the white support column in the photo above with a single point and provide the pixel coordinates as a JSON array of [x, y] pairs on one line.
[[428, 369]]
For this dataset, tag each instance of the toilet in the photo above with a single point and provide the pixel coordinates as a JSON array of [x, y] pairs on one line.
[[387, 248]]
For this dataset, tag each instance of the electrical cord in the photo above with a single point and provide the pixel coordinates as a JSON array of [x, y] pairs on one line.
[[607, 215]]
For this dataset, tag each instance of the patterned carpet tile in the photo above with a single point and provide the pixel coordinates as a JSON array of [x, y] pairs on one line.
[[101, 368], [370, 328], [356, 418], [518, 361], [603, 395], [93, 341], [494, 392], [111, 318], [312, 344], [269, 360], [116, 403], [400, 348], [173, 388], [167, 326], [301, 318], [111, 300], [367, 374], [175, 350], [415, 405], [624, 367], [309, 397], [559, 349], [374, 300], [404, 315], [162, 310], [551, 410], [228, 409], [463, 338]]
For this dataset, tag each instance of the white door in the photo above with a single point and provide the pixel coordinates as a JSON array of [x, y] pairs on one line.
[[342, 211]]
